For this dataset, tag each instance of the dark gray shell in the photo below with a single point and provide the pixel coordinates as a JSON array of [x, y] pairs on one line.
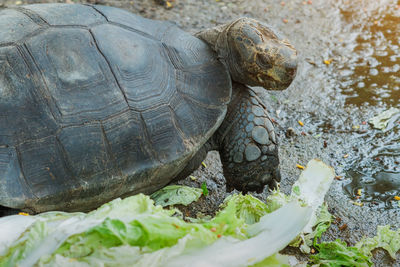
[[96, 103]]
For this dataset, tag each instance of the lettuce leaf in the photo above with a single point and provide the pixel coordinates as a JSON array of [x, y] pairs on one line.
[[272, 233], [248, 208], [276, 260], [310, 190], [134, 231], [337, 254], [385, 238], [50, 230], [176, 194]]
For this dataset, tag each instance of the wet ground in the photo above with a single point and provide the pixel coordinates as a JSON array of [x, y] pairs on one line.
[[349, 72]]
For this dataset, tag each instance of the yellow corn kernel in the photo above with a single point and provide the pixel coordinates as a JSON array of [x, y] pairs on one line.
[[300, 166], [358, 204]]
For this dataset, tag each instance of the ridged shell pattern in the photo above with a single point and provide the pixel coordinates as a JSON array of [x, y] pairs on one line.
[[96, 102]]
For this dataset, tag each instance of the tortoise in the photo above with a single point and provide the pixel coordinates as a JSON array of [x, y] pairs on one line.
[[98, 103]]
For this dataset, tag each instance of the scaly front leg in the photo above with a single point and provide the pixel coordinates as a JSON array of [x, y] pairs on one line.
[[249, 149]]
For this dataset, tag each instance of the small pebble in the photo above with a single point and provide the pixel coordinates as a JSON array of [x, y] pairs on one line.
[[290, 132], [343, 227]]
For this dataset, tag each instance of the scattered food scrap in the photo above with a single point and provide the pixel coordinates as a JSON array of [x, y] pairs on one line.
[[204, 189], [360, 204], [381, 121], [300, 166], [359, 192], [176, 194], [343, 227]]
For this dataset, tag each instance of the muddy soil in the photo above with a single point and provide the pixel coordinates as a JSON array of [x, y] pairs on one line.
[[349, 71]]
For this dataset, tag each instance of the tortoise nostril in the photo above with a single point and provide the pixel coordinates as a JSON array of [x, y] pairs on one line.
[[291, 69]]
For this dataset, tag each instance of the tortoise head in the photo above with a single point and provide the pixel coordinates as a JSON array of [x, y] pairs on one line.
[[253, 53], [258, 57]]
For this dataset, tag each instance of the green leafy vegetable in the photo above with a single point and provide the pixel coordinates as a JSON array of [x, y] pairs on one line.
[[385, 238], [309, 189], [306, 240], [134, 231], [337, 254], [204, 188], [296, 190], [117, 235], [381, 121], [276, 260], [277, 199], [248, 207], [176, 194], [271, 234]]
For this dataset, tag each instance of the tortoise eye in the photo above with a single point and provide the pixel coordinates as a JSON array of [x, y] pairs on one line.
[[263, 60]]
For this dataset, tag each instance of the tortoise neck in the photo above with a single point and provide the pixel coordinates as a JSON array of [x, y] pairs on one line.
[[217, 38]]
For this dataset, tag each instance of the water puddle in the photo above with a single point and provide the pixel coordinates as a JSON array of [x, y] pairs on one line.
[[371, 80], [373, 76], [379, 188]]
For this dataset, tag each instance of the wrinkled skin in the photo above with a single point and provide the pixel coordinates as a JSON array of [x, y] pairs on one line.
[[246, 140]]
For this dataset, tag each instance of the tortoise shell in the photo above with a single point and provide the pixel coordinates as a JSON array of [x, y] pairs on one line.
[[96, 103]]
